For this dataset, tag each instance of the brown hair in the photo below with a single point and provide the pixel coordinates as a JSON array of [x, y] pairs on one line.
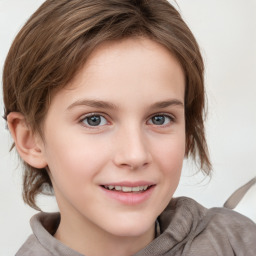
[[55, 43]]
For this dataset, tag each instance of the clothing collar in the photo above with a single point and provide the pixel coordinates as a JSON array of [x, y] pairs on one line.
[[178, 222], [174, 227]]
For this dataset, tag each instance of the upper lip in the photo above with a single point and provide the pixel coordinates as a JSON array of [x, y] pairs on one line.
[[129, 184]]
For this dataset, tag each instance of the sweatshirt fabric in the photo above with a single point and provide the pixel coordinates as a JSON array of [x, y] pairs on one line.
[[184, 228]]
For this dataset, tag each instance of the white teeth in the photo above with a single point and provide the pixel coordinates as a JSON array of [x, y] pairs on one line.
[[135, 189], [127, 189]]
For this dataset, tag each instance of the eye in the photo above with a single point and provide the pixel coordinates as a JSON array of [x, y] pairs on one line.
[[94, 120], [161, 120]]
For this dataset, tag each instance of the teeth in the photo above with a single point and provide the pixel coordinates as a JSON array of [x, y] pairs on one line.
[[135, 189], [127, 189]]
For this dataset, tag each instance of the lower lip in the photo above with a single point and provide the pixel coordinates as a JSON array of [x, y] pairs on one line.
[[129, 198]]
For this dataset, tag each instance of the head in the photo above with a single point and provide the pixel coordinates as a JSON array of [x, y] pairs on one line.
[[55, 45]]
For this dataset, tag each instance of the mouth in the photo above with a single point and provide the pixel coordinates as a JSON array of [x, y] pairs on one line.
[[129, 193], [127, 189]]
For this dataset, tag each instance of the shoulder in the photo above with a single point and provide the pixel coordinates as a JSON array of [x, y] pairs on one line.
[[42, 242], [213, 231], [234, 223], [231, 218], [227, 231], [32, 248], [218, 216]]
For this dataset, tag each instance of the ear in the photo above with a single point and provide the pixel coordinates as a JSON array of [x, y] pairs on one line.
[[28, 144]]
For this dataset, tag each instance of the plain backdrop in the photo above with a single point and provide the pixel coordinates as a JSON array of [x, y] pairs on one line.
[[226, 32]]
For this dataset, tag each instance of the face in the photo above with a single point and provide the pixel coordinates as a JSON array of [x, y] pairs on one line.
[[114, 138]]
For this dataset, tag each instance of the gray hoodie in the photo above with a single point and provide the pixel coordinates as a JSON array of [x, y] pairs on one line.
[[184, 228]]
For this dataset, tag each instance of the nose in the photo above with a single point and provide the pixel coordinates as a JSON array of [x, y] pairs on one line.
[[132, 149]]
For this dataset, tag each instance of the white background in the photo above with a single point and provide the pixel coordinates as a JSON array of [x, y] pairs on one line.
[[226, 32]]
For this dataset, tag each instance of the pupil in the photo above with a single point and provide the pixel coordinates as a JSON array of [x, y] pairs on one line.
[[94, 120], [158, 120]]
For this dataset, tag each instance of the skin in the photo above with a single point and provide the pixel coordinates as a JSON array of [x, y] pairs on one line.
[[127, 145]]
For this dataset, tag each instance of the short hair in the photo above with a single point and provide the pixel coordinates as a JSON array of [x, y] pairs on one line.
[[55, 43]]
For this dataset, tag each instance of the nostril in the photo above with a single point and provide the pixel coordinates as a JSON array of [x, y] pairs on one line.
[[132, 155]]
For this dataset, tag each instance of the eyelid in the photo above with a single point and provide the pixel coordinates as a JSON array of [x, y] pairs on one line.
[[171, 116], [83, 117], [92, 114]]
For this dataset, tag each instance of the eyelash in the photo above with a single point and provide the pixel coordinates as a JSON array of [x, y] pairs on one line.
[[86, 117], [170, 117]]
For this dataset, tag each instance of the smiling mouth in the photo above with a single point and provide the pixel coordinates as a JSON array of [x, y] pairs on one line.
[[125, 189]]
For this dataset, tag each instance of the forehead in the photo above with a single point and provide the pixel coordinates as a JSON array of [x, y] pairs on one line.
[[133, 67]]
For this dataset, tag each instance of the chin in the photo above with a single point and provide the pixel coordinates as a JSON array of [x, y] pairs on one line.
[[133, 228]]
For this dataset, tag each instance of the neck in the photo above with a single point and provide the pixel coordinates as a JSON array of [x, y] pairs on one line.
[[88, 239]]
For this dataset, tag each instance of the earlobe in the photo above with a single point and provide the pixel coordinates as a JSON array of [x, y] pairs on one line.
[[26, 142]]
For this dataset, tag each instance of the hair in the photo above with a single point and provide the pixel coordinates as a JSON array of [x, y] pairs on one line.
[[55, 43]]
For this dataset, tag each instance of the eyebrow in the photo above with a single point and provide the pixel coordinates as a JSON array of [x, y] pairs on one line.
[[93, 103], [167, 103], [111, 106]]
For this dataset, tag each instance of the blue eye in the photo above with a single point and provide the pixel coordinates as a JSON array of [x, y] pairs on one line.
[[160, 120], [94, 120]]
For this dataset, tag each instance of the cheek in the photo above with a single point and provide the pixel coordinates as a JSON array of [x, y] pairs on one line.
[[170, 155], [73, 160]]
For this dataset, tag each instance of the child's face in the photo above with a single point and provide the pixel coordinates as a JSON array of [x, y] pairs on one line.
[[120, 123]]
